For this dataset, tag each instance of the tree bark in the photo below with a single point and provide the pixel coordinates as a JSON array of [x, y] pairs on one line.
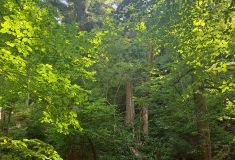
[[1, 113], [93, 148], [2, 119], [5, 120], [130, 110], [145, 119], [202, 121], [158, 154]]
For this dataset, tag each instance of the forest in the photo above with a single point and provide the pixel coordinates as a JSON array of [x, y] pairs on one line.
[[117, 79]]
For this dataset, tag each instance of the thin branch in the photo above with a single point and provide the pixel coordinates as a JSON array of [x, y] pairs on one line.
[[183, 75], [115, 96], [212, 87], [12, 72]]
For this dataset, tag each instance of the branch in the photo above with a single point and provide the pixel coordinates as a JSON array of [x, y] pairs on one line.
[[4, 72], [115, 96], [213, 87], [183, 75]]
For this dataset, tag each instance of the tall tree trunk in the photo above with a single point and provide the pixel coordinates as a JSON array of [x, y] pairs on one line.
[[130, 110], [145, 107], [5, 120], [202, 121], [2, 119], [1, 113], [158, 154], [93, 148], [27, 100], [145, 119]]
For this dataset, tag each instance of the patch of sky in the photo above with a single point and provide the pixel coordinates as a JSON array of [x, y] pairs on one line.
[[64, 2]]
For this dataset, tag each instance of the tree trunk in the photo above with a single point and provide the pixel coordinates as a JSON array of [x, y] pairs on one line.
[[150, 63], [202, 122], [93, 148], [130, 111], [2, 119], [27, 100], [145, 119], [145, 108], [1, 113], [158, 155], [5, 120]]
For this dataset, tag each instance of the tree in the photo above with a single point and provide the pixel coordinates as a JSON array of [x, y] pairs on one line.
[[200, 40], [29, 70]]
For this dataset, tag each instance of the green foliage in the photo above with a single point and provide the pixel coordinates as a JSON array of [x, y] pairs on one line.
[[26, 149], [66, 86], [39, 60]]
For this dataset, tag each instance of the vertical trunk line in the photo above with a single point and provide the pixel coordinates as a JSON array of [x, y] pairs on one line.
[[158, 154], [93, 148], [2, 119], [130, 111], [145, 107], [202, 121]]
